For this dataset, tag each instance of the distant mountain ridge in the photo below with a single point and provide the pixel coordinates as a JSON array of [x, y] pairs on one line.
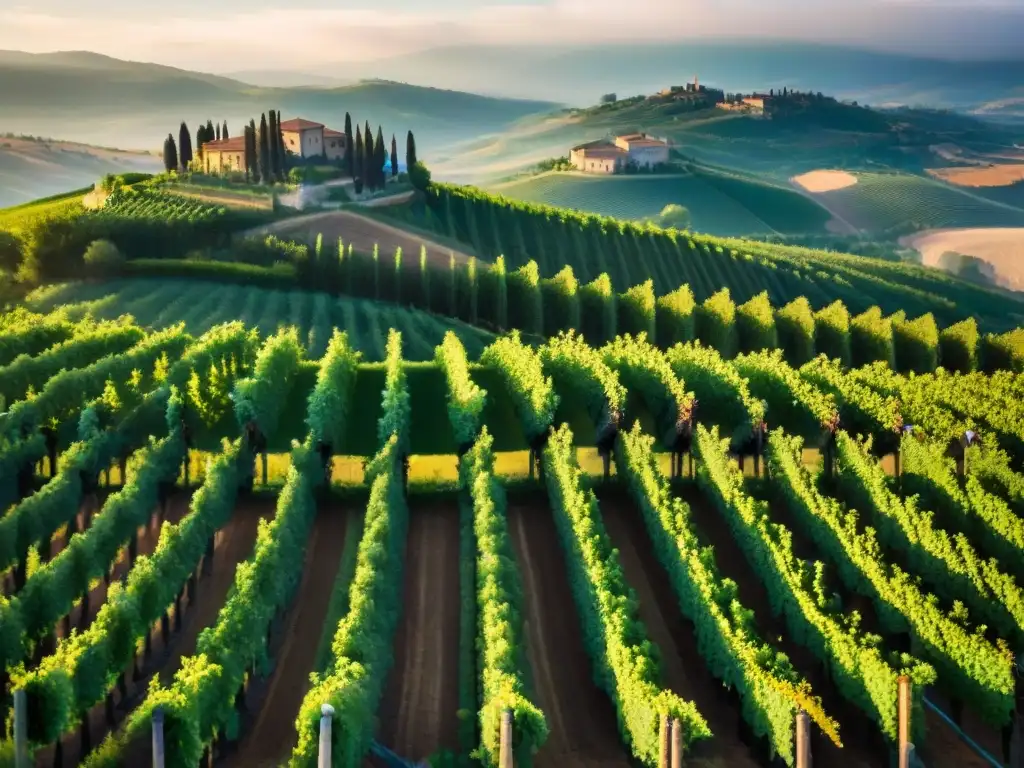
[[97, 99]]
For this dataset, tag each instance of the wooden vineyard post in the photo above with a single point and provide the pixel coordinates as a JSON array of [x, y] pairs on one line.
[[326, 719], [905, 746], [505, 740], [803, 740], [158, 738], [20, 729], [677, 743], [666, 742]]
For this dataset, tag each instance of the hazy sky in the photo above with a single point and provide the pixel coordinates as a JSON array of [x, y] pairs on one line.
[[228, 35]]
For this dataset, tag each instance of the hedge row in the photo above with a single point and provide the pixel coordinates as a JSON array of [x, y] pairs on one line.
[[499, 616], [616, 641]]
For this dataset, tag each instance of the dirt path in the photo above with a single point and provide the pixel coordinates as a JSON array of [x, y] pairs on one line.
[[582, 722], [363, 233], [269, 736], [683, 669], [418, 715]]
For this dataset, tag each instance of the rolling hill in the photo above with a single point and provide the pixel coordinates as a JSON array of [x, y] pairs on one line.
[[96, 99], [719, 203]]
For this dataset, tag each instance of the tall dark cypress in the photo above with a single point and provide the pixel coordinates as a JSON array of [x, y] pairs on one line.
[[210, 133], [410, 151], [282, 153], [350, 147], [358, 163], [247, 149], [224, 133], [254, 163], [218, 131], [275, 161], [170, 154], [378, 158], [264, 148], [184, 146], [394, 156]]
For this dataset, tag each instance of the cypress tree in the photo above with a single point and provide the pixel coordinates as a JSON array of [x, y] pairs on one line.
[[224, 133], [358, 163], [249, 153], [184, 146], [254, 165], [210, 133], [379, 155], [275, 162], [350, 158], [394, 156], [218, 131], [264, 152], [170, 153], [410, 151], [281, 147]]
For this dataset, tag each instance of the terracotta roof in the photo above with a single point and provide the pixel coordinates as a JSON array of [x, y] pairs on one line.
[[631, 137], [298, 124], [332, 134], [591, 145], [234, 144]]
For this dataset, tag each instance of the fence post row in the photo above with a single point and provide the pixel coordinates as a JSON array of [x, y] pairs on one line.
[[677, 743], [666, 742], [326, 719], [20, 729], [158, 738], [505, 740], [905, 747], [803, 740]]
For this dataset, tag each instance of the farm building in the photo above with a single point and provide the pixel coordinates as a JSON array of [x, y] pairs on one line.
[[303, 138], [602, 156]]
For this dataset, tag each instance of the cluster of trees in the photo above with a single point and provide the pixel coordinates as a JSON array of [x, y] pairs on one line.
[[366, 156], [265, 156]]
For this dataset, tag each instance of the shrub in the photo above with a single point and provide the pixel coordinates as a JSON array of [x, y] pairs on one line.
[[871, 339], [716, 324], [524, 300], [755, 324], [598, 310], [832, 332], [1004, 351], [560, 302], [958, 346], [674, 317], [794, 325], [636, 310], [12, 251], [916, 344], [102, 257], [419, 177]]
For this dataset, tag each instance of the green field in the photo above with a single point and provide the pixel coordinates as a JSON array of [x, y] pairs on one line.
[[884, 201], [719, 203], [17, 218], [201, 305]]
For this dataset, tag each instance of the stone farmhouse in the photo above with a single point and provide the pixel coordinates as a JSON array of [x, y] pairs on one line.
[[302, 138], [636, 149]]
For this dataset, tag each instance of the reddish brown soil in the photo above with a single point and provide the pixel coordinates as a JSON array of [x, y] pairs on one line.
[[232, 544], [269, 733], [418, 715], [581, 719], [683, 671]]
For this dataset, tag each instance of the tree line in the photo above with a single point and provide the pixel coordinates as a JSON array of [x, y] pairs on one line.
[[266, 159]]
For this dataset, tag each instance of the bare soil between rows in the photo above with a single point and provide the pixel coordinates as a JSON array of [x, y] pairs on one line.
[[419, 713], [584, 732], [268, 733]]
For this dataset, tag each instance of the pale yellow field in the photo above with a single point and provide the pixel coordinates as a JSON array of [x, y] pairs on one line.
[[816, 182], [997, 175], [1002, 248]]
